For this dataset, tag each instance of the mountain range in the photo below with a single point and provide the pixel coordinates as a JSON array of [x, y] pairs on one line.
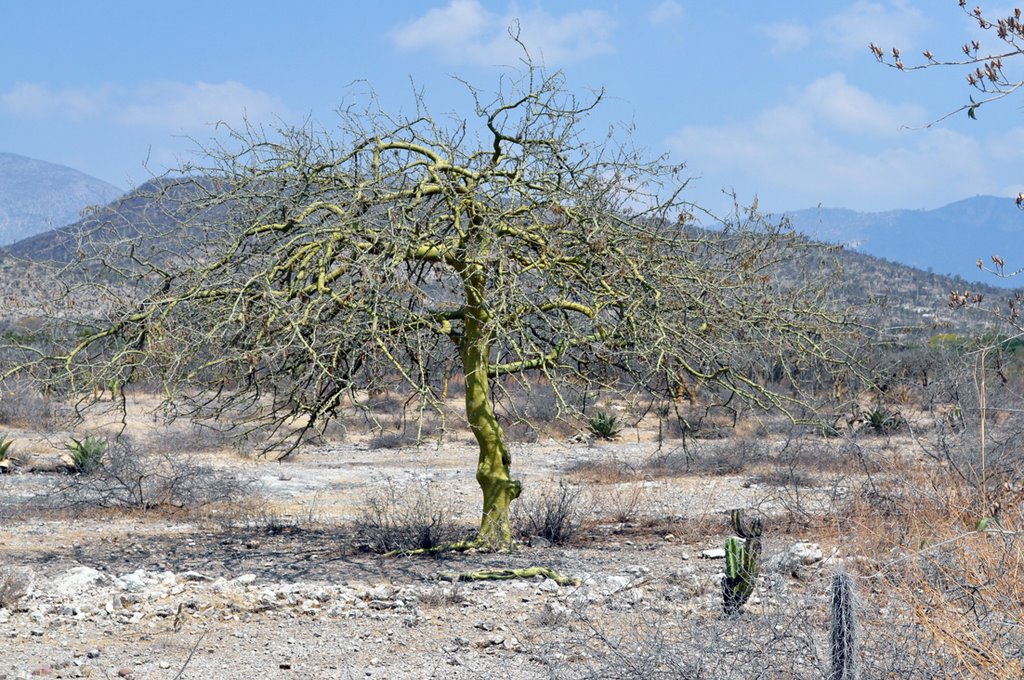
[[948, 240], [41, 205], [36, 196]]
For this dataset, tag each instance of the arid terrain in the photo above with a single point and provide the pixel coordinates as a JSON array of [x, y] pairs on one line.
[[277, 578]]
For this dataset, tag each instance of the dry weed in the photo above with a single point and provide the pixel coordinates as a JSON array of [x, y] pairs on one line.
[[14, 585]]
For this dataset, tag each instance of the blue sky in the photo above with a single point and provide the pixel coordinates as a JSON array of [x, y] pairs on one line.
[[782, 100]]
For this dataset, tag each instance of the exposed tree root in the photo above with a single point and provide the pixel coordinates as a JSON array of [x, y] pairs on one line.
[[505, 574]]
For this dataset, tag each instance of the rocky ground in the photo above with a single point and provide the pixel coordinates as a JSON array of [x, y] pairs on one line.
[[287, 593]]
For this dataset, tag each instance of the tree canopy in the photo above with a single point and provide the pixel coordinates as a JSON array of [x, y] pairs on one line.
[[314, 266]]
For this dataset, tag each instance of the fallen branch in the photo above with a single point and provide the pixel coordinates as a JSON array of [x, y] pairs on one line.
[[459, 546], [506, 574]]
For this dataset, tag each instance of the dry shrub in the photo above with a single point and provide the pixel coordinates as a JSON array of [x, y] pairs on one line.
[[946, 579], [780, 641], [133, 477], [398, 518], [605, 470], [621, 502], [393, 440], [531, 409], [442, 596], [14, 585], [554, 515], [723, 457], [21, 405]]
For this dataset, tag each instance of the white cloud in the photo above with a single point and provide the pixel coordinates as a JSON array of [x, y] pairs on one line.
[[787, 36], [888, 24], [665, 12], [172, 105], [848, 108], [32, 100], [465, 32], [193, 105], [839, 152], [891, 23], [446, 30]]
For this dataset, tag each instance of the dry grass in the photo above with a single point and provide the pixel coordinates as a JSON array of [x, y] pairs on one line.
[[933, 558], [620, 502]]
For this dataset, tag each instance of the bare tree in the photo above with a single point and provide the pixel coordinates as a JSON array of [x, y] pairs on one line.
[[314, 266], [985, 73], [984, 66]]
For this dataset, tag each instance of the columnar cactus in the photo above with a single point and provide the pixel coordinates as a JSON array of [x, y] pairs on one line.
[[742, 563], [843, 637]]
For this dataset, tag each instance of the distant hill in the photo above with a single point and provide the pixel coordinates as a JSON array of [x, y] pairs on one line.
[[36, 196], [947, 240], [147, 210], [892, 295]]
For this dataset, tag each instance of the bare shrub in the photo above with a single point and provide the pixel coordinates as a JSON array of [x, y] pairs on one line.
[[23, 406], [530, 409], [442, 596], [14, 585], [554, 515], [133, 478], [621, 502], [778, 642], [405, 518], [605, 470], [393, 440], [726, 457]]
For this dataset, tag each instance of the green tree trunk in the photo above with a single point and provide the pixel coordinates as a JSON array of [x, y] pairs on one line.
[[492, 471]]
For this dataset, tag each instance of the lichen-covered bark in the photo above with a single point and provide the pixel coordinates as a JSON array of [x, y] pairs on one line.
[[508, 574], [493, 466]]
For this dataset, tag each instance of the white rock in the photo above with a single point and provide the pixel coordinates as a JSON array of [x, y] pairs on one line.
[[713, 554], [807, 553], [245, 579], [193, 576], [134, 582], [379, 592], [79, 581], [547, 586], [798, 555], [614, 584]]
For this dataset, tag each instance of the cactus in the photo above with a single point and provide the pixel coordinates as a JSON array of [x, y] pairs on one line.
[[843, 629], [742, 563]]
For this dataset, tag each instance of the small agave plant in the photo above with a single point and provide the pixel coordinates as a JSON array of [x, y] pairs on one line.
[[87, 454], [605, 425], [6, 462]]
